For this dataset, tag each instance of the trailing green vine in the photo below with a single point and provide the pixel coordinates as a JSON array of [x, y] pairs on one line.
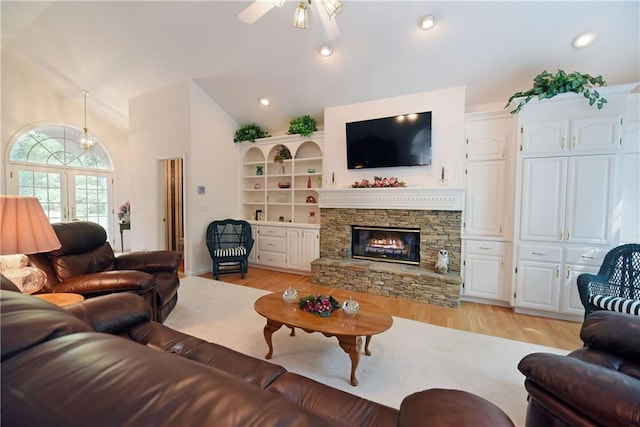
[[547, 85]]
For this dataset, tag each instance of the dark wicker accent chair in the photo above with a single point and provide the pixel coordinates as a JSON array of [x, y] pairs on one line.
[[229, 242], [616, 287]]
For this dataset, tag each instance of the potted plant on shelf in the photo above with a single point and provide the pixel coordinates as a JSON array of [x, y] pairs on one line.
[[250, 133], [282, 153], [547, 85], [304, 125]]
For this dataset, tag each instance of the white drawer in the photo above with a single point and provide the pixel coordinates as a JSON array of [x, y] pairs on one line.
[[540, 253], [272, 259], [273, 231], [272, 244], [585, 256], [486, 248]]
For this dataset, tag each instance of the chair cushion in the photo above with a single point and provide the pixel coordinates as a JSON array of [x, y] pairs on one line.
[[619, 304], [227, 252]]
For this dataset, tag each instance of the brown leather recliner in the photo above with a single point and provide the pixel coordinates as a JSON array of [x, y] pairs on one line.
[[596, 385], [86, 264]]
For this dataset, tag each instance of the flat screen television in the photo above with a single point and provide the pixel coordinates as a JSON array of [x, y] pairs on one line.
[[403, 140]]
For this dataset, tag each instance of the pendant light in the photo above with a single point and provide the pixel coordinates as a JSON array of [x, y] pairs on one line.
[[300, 17], [85, 140]]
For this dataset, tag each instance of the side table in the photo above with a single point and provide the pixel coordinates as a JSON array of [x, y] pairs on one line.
[[61, 298], [123, 226]]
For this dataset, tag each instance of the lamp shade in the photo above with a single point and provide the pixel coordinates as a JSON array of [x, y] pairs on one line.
[[24, 227]]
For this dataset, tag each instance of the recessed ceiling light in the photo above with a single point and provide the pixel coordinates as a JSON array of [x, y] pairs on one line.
[[265, 102], [427, 22], [584, 39], [326, 50]]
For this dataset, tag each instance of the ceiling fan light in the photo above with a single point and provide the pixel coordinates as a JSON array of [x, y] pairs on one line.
[[427, 22], [278, 3], [332, 7], [300, 17]]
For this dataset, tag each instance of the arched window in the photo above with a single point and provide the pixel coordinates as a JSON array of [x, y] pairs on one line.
[[47, 162]]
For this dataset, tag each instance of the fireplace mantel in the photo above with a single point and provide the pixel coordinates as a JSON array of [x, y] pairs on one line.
[[419, 198]]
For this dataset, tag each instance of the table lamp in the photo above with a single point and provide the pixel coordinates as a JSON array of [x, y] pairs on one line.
[[24, 229]]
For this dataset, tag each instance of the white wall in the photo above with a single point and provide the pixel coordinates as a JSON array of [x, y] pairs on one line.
[[448, 107], [28, 97], [182, 121]]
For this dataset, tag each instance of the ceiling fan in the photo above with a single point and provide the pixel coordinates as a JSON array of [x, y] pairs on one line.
[[324, 10]]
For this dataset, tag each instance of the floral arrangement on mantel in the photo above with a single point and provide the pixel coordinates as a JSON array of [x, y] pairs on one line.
[[319, 304], [124, 214], [379, 182]]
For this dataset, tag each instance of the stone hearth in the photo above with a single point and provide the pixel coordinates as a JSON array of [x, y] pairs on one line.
[[436, 212]]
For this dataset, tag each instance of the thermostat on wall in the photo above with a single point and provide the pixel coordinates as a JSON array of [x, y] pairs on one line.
[[200, 189]]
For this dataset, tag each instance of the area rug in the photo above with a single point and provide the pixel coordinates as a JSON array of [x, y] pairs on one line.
[[409, 357]]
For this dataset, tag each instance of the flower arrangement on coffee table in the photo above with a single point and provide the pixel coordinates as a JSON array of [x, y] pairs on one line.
[[319, 304], [379, 182]]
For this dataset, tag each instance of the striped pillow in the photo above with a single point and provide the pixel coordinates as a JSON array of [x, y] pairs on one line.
[[227, 252], [619, 304]]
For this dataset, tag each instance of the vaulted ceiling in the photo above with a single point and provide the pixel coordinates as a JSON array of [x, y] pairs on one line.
[[118, 50]]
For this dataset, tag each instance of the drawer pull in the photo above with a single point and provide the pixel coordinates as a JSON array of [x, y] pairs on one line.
[[540, 253], [484, 247], [589, 257]]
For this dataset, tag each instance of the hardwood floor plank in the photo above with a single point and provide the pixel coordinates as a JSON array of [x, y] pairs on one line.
[[473, 317]]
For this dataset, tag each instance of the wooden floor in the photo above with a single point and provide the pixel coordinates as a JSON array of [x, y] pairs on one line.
[[472, 317]]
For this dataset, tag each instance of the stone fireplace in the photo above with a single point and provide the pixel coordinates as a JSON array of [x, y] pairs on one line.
[[434, 216]]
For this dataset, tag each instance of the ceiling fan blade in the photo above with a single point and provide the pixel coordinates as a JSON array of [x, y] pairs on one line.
[[255, 11], [330, 26]]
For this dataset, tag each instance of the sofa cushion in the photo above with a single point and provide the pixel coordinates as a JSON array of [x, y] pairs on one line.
[[99, 259], [28, 321], [619, 304], [344, 409], [240, 365]]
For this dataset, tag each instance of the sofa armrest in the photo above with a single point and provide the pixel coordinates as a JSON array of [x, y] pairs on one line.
[[149, 261], [440, 407], [613, 332], [108, 282], [604, 395], [113, 313]]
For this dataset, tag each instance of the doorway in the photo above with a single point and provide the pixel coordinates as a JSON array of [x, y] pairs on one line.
[[173, 205]]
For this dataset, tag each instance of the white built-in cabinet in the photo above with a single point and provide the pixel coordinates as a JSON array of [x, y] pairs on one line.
[[281, 202], [567, 200], [488, 215]]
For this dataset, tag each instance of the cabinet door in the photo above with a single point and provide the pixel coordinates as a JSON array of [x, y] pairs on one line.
[[543, 195], [589, 210], [484, 277], [548, 137], [485, 198], [488, 139], [309, 247], [253, 255], [596, 134], [538, 285], [571, 303], [293, 249]]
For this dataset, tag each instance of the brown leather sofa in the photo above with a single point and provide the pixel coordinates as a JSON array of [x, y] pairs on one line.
[[596, 385], [86, 264], [103, 362]]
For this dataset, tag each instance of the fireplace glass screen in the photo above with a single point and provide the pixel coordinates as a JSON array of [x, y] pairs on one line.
[[388, 244]]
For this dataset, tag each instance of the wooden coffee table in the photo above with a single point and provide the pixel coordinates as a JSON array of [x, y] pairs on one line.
[[349, 330], [61, 298]]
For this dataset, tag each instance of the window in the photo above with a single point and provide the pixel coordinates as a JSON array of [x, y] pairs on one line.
[[71, 184]]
